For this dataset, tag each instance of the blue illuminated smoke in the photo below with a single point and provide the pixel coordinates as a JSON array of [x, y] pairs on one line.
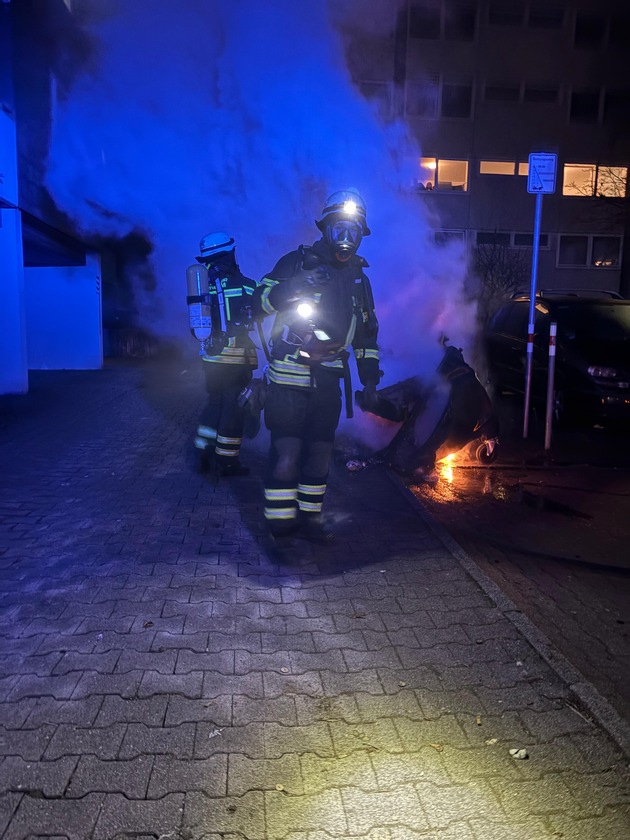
[[199, 115]]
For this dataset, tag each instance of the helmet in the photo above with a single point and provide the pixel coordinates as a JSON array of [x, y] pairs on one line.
[[343, 222], [213, 244]]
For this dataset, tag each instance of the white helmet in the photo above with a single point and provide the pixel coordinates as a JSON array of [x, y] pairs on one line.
[[346, 205], [213, 244]]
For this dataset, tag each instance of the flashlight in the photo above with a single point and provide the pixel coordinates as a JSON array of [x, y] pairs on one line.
[[305, 309]]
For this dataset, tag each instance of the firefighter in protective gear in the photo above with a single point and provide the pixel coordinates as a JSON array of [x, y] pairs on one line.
[[229, 359], [322, 302]]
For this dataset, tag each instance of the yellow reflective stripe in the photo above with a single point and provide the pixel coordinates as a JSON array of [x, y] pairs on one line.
[[227, 453], [226, 360], [288, 379], [312, 489], [288, 494], [367, 353], [335, 363], [264, 297], [311, 507], [233, 292], [233, 440], [280, 513]]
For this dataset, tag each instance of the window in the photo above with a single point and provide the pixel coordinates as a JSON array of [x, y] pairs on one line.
[[425, 20], [444, 175], [379, 94], [620, 31], [496, 167], [588, 179], [523, 169], [589, 31], [545, 16], [493, 237], [617, 107], [589, 251], [422, 99], [506, 13], [526, 240], [540, 94], [584, 106], [501, 93], [460, 21], [446, 237], [456, 100]]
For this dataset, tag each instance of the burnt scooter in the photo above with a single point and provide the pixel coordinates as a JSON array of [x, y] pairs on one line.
[[437, 420]]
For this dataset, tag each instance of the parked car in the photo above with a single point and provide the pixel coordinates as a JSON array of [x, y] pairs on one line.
[[592, 374]]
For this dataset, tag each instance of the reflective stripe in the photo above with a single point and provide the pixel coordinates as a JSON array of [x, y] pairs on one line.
[[280, 513], [226, 453], [367, 353], [264, 297], [288, 494], [227, 360], [310, 507], [296, 379], [202, 443], [312, 489], [236, 441]]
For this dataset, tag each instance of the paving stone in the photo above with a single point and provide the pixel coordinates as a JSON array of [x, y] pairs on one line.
[[77, 740], [230, 817], [156, 817], [29, 744], [368, 810], [208, 776], [115, 709], [44, 817], [178, 741], [46, 778], [248, 740], [93, 775], [246, 774]]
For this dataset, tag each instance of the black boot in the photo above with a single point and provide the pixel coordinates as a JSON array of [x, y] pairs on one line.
[[227, 467], [313, 527]]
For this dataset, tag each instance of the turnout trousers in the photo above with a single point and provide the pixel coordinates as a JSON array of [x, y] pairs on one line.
[[302, 422], [220, 429]]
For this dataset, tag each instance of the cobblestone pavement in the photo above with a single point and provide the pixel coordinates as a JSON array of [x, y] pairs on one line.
[[166, 672]]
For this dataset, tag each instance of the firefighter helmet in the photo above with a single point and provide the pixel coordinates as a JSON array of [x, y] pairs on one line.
[[213, 244], [343, 222]]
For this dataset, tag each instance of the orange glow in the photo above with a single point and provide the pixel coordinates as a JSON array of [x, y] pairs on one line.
[[445, 466]]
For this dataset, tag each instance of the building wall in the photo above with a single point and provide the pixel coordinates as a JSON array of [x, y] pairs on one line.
[[494, 80]]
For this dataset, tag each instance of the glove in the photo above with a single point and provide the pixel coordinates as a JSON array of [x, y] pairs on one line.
[[369, 397], [303, 282]]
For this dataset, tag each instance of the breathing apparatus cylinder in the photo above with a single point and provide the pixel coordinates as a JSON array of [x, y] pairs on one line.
[[198, 300]]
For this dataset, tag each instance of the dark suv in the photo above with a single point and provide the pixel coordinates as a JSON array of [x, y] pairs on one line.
[[592, 377]]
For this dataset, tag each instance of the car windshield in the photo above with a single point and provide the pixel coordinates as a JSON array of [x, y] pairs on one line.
[[599, 322]]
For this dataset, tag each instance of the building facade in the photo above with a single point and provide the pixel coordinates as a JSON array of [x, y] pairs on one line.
[[483, 84]]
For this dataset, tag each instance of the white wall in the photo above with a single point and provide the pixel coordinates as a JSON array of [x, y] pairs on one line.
[[63, 316], [13, 354]]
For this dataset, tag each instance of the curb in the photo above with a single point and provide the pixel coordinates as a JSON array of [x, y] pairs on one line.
[[598, 707]]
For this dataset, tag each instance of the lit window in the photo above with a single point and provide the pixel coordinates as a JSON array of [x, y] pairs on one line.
[[579, 179], [441, 174], [611, 181], [523, 169], [496, 167], [452, 175], [588, 179]]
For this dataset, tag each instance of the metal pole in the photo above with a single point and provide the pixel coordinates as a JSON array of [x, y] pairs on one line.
[[553, 327], [532, 305]]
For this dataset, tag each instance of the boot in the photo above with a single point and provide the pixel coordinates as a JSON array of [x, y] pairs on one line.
[[227, 467], [313, 527], [204, 461], [282, 528]]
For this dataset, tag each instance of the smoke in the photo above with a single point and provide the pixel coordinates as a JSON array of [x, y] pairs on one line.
[[202, 115]]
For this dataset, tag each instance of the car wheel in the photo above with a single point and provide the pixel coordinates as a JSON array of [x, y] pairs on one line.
[[484, 456]]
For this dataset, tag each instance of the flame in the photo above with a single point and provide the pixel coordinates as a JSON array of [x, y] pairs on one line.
[[446, 467]]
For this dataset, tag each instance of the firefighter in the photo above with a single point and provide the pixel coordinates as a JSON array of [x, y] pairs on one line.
[[322, 303], [229, 358]]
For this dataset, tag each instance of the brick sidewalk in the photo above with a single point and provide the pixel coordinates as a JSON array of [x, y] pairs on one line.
[[165, 673]]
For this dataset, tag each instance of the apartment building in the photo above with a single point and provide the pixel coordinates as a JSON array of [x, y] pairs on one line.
[[485, 83]]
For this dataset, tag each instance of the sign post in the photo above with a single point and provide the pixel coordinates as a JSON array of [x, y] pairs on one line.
[[541, 180]]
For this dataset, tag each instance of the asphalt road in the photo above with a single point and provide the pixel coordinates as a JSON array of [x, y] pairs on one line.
[[551, 529]]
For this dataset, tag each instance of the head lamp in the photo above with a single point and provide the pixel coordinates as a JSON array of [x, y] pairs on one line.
[[305, 309]]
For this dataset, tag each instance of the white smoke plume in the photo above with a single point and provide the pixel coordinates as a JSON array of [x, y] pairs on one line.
[[203, 115]]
